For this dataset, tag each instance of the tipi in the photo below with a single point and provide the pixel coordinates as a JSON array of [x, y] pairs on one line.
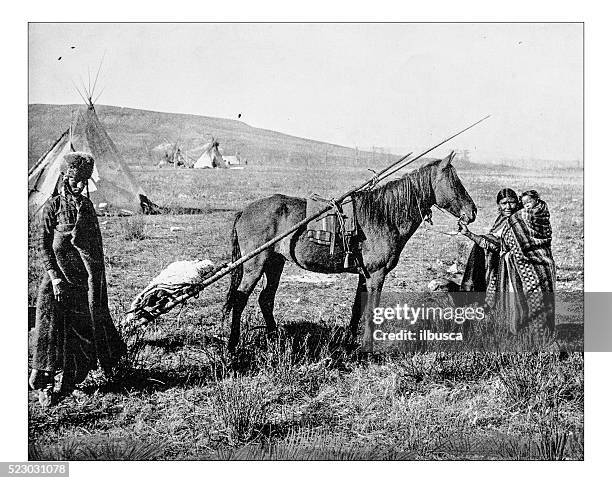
[[112, 188], [211, 157], [168, 154]]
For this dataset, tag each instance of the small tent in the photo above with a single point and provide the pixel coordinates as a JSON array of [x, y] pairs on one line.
[[168, 154], [211, 157], [112, 188]]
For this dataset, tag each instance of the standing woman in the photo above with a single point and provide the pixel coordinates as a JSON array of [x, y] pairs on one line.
[[514, 266], [74, 330]]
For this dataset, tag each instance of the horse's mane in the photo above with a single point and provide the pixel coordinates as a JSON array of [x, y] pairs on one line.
[[399, 201]]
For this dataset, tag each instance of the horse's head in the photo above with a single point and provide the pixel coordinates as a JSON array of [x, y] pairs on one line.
[[449, 192]]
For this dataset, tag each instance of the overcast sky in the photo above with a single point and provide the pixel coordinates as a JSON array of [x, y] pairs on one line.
[[401, 86]]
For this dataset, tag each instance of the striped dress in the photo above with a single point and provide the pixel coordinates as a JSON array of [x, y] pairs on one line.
[[521, 287]]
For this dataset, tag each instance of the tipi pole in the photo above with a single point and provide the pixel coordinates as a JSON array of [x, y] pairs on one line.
[[42, 158]]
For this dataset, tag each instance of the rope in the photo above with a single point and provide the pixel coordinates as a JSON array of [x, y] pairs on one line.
[[374, 181], [429, 220]]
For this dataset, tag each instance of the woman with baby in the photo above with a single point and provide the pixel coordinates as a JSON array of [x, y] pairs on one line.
[[513, 265]]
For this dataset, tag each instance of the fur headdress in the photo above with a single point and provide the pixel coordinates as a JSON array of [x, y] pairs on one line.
[[78, 165]]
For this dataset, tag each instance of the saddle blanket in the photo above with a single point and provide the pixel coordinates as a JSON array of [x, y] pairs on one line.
[[324, 229]]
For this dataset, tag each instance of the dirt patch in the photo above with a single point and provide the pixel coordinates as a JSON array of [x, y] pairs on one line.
[[312, 278]]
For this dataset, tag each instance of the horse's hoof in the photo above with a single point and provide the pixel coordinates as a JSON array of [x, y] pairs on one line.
[[337, 360], [363, 357], [232, 347], [351, 345], [273, 336], [366, 347]]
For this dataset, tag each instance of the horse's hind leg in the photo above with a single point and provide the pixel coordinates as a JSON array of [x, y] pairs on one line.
[[360, 299], [252, 272], [273, 268]]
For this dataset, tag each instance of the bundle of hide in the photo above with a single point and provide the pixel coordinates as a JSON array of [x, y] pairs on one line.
[[175, 280], [183, 272]]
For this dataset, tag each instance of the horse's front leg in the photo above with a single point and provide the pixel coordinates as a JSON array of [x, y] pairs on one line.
[[374, 285]]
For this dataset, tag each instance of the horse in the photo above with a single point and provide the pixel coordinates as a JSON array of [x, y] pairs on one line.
[[387, 216]]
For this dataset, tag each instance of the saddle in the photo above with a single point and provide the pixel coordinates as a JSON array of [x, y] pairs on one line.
[[336, 228]]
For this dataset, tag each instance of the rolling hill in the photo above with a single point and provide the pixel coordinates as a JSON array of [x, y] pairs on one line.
[[136, 131]]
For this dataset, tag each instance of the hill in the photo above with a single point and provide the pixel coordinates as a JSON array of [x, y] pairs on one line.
[[136, 131]]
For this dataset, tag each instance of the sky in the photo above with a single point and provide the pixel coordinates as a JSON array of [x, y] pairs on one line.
[[399, 86]]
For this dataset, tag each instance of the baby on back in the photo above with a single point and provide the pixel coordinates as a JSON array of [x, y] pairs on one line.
[[531, 200], [535, 213]]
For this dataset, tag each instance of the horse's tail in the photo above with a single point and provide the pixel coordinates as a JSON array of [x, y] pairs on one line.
[[236, 276]]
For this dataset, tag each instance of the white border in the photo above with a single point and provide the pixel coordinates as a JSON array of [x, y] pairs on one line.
[[598, 173]]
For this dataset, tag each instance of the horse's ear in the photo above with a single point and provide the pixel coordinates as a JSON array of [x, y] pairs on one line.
[[446, 162]]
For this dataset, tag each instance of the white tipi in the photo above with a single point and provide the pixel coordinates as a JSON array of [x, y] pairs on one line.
[[112, 189], [211, 157]]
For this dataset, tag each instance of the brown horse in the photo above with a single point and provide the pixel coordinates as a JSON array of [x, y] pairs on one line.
[[387, 216]]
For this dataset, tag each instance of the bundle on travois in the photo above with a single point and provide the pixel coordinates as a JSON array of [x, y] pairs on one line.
[[177, 281]]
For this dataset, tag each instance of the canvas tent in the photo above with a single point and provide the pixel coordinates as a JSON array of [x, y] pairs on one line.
[[211, 157], [113, 188], [168, 154]]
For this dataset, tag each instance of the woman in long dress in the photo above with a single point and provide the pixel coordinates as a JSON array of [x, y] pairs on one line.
[[513, 267], [74, 330]]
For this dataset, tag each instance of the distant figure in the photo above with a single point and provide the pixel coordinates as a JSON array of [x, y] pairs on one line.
[[239, 116], [74, 329], [59, 58]]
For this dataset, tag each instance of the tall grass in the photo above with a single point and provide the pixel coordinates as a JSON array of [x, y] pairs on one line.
[[307, 444], [539, 380], [96, 449], [241, 406], [133, 228]]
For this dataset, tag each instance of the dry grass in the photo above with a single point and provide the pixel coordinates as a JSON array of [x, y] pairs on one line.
[[133, 228], [242, 405], [292, 398], [104, 449]]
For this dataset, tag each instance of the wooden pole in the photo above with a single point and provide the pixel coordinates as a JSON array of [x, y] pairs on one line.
[[224, 270], [385, 173]]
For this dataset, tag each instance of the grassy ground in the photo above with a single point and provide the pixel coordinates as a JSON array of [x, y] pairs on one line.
[[182, 399]]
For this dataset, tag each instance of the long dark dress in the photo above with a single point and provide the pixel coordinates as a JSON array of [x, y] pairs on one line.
[[73, 336], [513, 268]]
